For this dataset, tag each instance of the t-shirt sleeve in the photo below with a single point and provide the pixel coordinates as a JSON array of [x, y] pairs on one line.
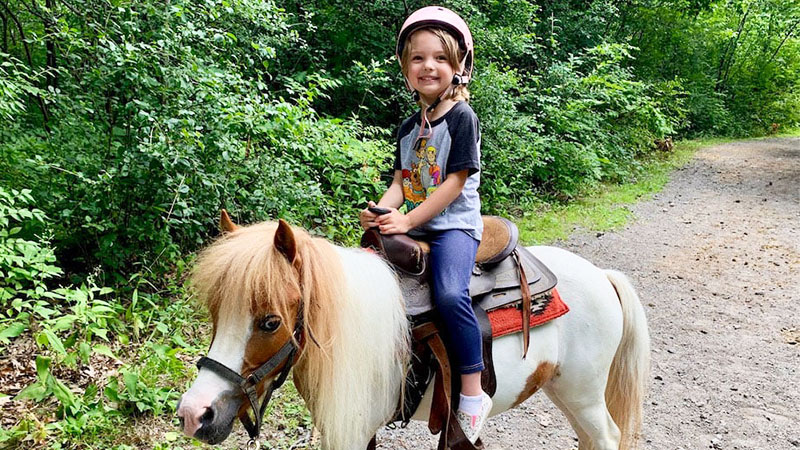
[[397, 164], [465, 143]]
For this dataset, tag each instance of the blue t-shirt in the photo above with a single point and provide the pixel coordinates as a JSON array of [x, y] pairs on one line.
[[454, 146]]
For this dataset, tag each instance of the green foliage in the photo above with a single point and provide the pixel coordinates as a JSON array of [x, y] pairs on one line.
[[606, 206], [75, 328], [737, 59], [96, 330], [16, 84], [25, 264], [587, 121], [179, 117]]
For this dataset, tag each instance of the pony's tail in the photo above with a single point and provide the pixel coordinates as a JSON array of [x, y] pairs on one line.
[[629, 374]]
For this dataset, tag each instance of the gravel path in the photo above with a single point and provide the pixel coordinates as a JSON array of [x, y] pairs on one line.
[[716, 260]]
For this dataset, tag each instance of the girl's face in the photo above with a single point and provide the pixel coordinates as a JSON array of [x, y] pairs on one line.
[[429, 70]]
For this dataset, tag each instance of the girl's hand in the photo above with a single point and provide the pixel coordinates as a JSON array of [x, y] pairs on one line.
[[367, 218], [394, 222]]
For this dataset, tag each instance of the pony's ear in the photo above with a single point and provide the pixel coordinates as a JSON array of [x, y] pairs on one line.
[[226, 223], [285, 242]]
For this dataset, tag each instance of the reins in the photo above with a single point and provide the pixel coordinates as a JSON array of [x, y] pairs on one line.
[[249, 385]]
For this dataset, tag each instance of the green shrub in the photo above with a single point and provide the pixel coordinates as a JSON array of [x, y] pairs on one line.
[[27, 261]]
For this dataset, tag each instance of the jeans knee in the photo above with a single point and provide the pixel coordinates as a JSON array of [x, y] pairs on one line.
[[451, 300]]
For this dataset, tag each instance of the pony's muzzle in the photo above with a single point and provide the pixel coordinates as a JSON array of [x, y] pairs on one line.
[[191, 417], [208, 423]]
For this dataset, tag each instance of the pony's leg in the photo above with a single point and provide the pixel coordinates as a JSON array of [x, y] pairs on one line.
[[583, 438], [599, 430], [587, 412], [603, 432]]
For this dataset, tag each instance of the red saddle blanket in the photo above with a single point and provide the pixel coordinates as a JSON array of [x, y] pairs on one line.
[[509, 320]]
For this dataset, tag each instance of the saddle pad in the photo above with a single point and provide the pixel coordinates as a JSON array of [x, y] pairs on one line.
[[544, 309]]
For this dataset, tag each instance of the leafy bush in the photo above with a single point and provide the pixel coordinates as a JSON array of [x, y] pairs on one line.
[[25, 264], [76, 327], [16, 83], [177, 119], [587, 120]]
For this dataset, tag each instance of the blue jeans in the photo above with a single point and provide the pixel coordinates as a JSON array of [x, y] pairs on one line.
[[452, 258]]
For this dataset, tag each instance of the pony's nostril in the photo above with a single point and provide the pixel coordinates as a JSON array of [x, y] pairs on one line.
[[207, 417]]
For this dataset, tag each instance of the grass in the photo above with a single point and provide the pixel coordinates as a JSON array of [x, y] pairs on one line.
[[606, 207], [791, 132]]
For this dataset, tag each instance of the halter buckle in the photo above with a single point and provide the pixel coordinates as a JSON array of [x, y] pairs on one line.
[[250, 382]]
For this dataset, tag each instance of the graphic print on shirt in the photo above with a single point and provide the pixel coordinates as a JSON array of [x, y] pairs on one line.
[[424, 176]]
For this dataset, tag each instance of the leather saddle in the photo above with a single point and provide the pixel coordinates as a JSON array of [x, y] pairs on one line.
[[497, 278], [505, 274]]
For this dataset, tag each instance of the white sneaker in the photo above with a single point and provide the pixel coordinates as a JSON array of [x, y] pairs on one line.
[[472, 425]]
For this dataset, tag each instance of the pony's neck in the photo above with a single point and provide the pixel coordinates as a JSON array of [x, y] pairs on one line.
[[353, 389]]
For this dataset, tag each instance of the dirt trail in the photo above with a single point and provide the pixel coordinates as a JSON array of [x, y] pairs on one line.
[[716, 260]]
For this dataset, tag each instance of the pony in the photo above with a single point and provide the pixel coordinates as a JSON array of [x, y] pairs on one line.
[[270, 286]]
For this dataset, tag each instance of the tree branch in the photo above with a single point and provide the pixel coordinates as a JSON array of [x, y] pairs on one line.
[[40, 100], [21, 34], [731, 48], [785, 38]]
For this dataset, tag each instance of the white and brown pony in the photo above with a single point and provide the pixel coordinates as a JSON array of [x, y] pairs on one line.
[[258, 280]]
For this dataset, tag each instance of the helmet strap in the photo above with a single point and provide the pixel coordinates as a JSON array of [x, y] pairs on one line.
[[425, 128]]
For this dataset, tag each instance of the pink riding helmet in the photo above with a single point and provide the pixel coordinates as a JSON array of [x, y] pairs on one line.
[[450, 21]]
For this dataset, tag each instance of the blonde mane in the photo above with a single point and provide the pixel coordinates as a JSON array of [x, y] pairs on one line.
[[348, 310]]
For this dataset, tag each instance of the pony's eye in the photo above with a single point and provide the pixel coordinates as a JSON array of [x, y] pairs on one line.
[[270, 323]]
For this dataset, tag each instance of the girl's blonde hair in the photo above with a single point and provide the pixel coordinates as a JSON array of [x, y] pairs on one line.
[[452, 52]]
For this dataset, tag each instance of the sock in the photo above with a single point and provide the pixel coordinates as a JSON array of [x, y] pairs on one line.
[[470, 405]]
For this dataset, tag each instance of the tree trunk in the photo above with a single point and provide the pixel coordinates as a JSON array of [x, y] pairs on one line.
[[50, 45], [725, 60], [39, 100], [5, 32]]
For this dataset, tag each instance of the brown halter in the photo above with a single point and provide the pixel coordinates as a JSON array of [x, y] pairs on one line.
[[249, 385]]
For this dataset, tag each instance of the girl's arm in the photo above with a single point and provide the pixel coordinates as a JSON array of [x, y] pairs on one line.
[[397, 223], [392, 198]]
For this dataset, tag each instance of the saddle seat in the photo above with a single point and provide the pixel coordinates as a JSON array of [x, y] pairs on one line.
[[496, 279], [500, 237]]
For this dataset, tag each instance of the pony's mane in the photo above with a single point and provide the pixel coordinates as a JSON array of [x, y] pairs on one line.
[[243, 270], [351, 301]]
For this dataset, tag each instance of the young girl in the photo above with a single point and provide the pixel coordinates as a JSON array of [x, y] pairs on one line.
[[436, 175]]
